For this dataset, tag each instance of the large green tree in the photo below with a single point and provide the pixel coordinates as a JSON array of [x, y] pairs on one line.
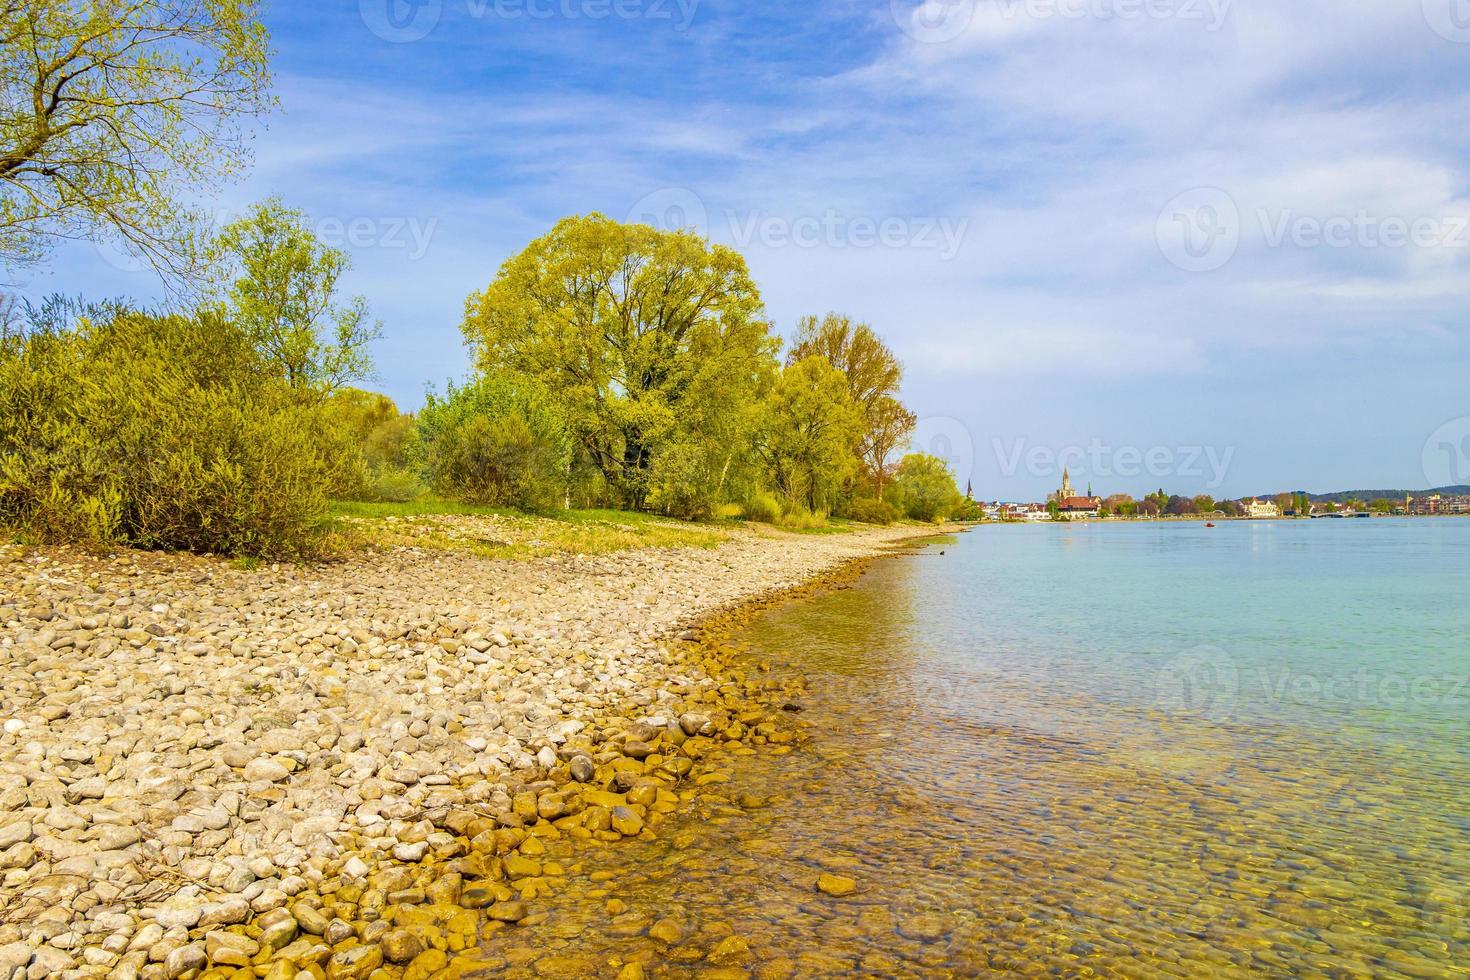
[[114, 113], [873, 376], [280, 284], [655, 342], [810, 430], [925, 488]]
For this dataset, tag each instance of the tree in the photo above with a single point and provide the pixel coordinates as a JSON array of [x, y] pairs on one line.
[[651, 339], [497, 440], [1204, 504], [1178, 506], [810, 430], [113, 114], [384, 437], [925, 488], [873, 376], [280, 283]]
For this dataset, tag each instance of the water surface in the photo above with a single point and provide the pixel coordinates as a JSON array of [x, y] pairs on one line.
[[1120, 750]]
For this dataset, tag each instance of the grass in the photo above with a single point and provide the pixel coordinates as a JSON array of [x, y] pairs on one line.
[[498, 533]]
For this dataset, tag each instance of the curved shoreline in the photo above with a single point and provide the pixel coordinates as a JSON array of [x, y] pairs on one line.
[[419, 867]]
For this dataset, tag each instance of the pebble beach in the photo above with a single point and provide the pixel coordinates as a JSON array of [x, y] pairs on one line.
[[360, 768]]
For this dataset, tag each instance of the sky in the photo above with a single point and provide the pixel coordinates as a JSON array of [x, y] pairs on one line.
[[1214, 246]]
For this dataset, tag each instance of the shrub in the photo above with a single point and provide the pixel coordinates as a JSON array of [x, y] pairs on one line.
[[161, 432], [683, 482], [394, 485], [496, 441], [762, 507], [870, 511], [924, 488], [798, 518]]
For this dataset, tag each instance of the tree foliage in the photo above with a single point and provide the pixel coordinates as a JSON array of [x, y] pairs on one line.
[[114, 114], [924, 488], [499, 440], [654, 342], [873, 376], [122, 427], [279, 283], [810, 431], [386, 439]]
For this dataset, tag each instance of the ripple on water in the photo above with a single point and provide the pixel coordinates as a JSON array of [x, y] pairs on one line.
[[1054, 836]]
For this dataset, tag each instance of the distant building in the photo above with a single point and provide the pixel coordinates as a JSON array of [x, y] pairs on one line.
[[1257, 509], [1436, 504], [1072, 506]]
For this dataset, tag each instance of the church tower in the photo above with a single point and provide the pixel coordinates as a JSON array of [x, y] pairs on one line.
[[1066, 490]]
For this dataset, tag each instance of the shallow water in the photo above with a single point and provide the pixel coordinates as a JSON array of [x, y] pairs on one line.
[[1121, 750]]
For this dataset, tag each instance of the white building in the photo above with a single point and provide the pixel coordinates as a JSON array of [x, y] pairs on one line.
[[1256, 509]]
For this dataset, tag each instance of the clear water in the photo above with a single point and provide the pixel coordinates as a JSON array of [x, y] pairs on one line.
[[1115, 750]]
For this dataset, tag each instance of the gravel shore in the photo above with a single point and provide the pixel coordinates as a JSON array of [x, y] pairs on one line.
[[347, 768]]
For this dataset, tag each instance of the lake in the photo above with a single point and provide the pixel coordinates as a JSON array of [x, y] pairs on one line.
[[1135, 749]]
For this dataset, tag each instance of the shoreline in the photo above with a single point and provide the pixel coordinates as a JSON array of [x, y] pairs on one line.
[[256, 777]]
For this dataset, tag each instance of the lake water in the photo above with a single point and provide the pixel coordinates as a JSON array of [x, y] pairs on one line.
[[1113, 749]]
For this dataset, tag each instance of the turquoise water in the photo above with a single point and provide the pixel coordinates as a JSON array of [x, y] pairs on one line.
[[1124, 750], [1267, 721]]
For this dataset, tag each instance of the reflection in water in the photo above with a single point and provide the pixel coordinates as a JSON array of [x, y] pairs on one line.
[[1052, 808]]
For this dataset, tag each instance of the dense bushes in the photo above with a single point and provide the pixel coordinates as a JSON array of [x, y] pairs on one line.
[[924, 489], [869, 511], [386, 440], [763, 507], [121, 427], [496, 441]]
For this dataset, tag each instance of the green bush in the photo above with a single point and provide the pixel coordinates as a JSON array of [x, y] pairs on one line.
[[924, 488], [798, 518], [161, 432], [869, 511], [682, 482], [498, 442], [763, 507], [394, 485]]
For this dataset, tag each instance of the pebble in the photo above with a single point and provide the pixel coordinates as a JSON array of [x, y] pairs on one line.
[[190, 748]]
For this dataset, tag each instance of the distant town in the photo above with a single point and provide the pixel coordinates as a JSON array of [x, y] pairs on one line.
[[1065, 504]]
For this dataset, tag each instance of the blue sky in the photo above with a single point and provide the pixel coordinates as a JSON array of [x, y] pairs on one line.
[[1215, 246]]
